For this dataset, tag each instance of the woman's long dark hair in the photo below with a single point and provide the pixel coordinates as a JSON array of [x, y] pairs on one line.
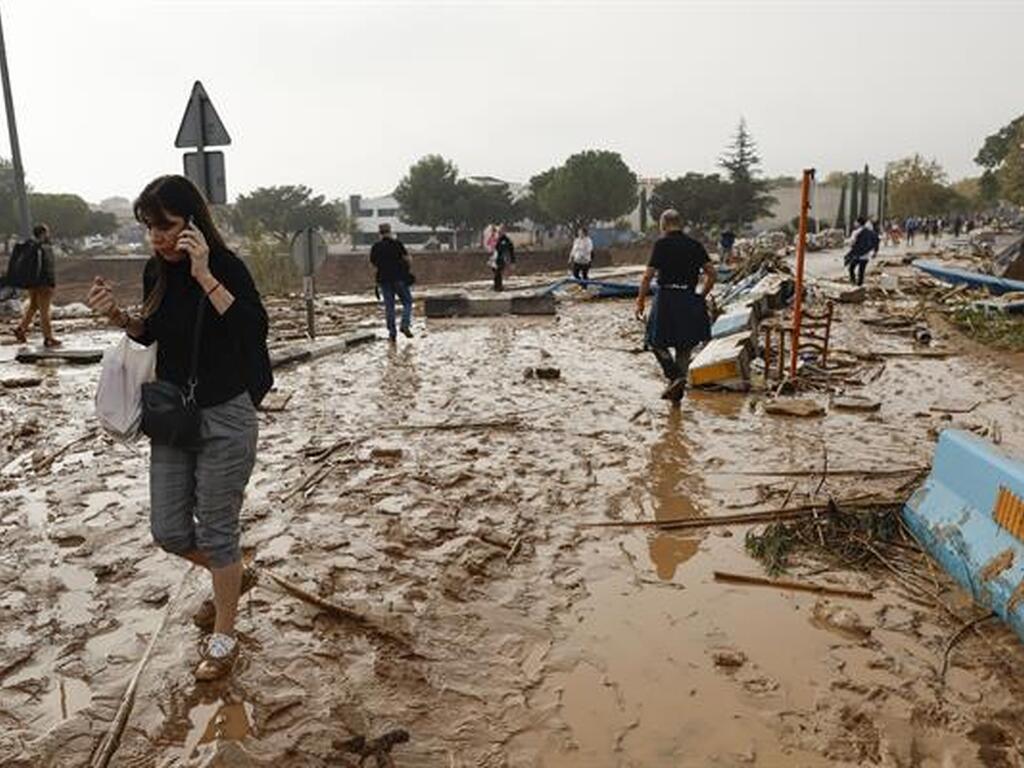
[[176, 195]]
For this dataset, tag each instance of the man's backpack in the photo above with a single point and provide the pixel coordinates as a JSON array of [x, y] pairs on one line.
[[25, 268]]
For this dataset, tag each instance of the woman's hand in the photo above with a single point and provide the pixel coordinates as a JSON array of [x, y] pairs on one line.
[[192, 242], [641, 306], [101, 298]]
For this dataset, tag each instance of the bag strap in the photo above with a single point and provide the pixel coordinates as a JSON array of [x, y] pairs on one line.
[[197, 337]]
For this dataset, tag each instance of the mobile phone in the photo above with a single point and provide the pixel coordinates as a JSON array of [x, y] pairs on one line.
[[188, 224]]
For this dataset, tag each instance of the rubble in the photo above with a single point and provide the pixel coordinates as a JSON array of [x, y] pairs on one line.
[[789, 406]]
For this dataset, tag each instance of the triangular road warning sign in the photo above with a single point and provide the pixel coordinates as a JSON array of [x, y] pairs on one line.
[[201, 126]]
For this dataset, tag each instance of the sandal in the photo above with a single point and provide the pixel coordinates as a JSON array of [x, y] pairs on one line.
[[19, 335], [219, 653], [206, 616], [52, 343]]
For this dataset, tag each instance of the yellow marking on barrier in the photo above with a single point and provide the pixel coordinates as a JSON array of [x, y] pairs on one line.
[[1009, 512], [716, 372]]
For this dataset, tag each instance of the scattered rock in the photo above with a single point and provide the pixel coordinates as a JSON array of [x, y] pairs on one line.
[[840, 618], [548, 373], [541, 372], [853, 296], [855, 403], [386, 454], [729, 657], [794, 407], [21, 382]]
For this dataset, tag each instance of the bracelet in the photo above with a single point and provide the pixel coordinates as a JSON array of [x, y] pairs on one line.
[[212, 290]]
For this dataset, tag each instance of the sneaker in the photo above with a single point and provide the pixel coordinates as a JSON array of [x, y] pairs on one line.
[[52, 343], [407, 331], [206, 617], [219, 653], [19, 335], [675, 390]]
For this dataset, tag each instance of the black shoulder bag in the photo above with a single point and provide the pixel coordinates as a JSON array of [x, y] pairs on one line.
[[170, 415]]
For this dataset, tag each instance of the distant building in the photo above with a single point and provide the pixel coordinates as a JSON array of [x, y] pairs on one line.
[[824, 205], [370, 212]]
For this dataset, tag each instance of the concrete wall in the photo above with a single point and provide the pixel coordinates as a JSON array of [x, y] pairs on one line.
[[826, 206], [342, 272]]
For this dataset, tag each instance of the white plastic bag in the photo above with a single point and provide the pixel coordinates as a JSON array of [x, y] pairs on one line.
[[126, 367]]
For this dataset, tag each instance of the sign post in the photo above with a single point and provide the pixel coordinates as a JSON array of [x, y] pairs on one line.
[[201, 127], [24, 217], [801, 249], [309, 250]]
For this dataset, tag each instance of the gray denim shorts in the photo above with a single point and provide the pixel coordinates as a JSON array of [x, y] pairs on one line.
[[196, 494]]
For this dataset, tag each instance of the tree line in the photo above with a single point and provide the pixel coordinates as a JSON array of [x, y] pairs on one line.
[[69, 214], [589, 187]]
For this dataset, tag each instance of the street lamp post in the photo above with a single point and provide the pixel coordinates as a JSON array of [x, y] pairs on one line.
[[24, 218]]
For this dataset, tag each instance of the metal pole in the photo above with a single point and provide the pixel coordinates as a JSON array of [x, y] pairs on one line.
[[801, 246], [201, 155], [24, 217], [310, 329]]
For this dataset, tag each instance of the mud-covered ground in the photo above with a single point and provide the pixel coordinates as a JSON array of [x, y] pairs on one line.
[[435, 489]]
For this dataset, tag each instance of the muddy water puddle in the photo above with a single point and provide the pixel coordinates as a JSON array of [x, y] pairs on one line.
[[453, 514], [217, 721]]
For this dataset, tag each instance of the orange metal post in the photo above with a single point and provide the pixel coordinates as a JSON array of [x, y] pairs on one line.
[[801, 248]]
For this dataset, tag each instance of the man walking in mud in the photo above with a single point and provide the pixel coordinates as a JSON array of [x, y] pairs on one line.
[[679, 317], [394, 276]]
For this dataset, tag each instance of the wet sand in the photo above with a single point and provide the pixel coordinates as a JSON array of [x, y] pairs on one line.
[[451, 513]]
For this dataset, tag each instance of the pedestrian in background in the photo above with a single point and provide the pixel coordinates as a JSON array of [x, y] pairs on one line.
[[726, 242], [863, 241], [581, 254], [40, 297], [504, 255], [394, 276]]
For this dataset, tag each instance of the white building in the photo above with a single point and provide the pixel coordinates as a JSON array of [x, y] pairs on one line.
[[370, 212]]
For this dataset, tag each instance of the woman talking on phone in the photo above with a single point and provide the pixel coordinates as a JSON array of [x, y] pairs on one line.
[[202, 308]]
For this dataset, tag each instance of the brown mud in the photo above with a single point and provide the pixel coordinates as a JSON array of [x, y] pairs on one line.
[[449, 512]]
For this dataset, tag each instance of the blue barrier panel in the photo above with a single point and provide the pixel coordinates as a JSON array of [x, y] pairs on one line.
[[737, 320], [957, 276], [969, 515]]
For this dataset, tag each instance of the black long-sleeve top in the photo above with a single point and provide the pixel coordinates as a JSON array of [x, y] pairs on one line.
[[233, 354]]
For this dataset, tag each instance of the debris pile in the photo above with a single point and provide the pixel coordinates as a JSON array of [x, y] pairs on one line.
[[852, 539], [825, 240]]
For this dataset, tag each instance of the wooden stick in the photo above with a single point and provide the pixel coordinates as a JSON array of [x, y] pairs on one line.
[[745, 518], [969, 409], [112, 738], [956, 637], [802, 586], [817, 472], [513, 549], [452, 425], [312, 479], [47, 462], [339, 611]]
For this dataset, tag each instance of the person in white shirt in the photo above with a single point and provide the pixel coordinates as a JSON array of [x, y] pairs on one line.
[[581, 254]]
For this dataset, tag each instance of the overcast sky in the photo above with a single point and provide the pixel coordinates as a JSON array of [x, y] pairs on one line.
[[344, 96]]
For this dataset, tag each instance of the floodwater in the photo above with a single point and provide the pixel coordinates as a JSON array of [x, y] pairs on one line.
[[452, 512]]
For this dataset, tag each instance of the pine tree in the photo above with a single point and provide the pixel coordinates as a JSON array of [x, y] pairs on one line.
[[854, 200], [865, 183], [750, 199], [840, 222]]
